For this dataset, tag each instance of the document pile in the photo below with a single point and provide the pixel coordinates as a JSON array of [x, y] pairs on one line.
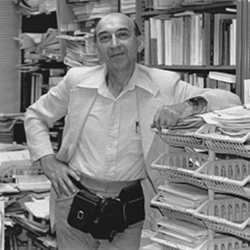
[[39, 47], [181, 234], [128, 6], [38, 207], [80, 49], [17, 173], [30, 225], [36, 183], [182, 195], [231, 124], [94, 9], [35, 7], [200, 2]]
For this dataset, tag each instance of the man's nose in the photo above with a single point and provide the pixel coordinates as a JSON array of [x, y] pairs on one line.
[[114, 40]]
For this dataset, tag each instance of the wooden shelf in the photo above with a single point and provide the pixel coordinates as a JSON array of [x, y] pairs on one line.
[[215, 7], [227, 68]]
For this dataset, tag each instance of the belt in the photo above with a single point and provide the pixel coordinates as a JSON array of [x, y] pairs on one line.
[[100, 186]]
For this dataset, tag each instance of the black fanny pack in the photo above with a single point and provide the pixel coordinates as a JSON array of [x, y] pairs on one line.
[[104, 217]]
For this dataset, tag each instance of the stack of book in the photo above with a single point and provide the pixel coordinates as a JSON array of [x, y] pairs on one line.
[[200, 2], [128, 6], [84, 11], [230, 124], [221, 80], [37, 7], [40, 46], [162, 4], [80, 50]]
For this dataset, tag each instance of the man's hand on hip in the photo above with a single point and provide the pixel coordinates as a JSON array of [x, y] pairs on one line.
[[58, 173]]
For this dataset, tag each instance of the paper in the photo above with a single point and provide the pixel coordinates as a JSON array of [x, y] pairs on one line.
[[184, 228], [38, 208], [8, 188], [231, 124], [18, 155], [33, 183], [48, 241], [11, 147], [185, 191]]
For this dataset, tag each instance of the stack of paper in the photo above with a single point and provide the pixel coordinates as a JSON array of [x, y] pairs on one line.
[[93, 10], [178, 232], [36, 183], [163, 4], [8, 188], [35, 7], [14, 161], [40, 46], [183, 195], [38, 207], [49, 241], [80, 50], [33, 226], [200, 2], [11, 147], [128, 6], [231, 124]]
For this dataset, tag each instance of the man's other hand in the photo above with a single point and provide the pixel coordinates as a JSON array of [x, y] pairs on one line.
[[168, 115]]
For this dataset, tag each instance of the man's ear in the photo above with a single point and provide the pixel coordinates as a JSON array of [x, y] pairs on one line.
[[140, 43]]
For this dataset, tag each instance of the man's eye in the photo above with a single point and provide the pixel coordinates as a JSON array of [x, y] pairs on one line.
[[103, 38], [123, 35]]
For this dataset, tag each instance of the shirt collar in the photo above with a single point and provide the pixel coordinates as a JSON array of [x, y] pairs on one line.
[[141, 78]]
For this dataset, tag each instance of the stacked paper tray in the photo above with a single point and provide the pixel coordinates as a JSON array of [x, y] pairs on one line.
[[182, 139], [175, 211], [225, 144], [227, 147], [219, 242], [180, 167], [227, 176], [227, 215], [168, 244]]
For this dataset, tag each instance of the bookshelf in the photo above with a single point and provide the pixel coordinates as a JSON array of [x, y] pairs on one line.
[[37, 61], [9, 57], [211, 57]]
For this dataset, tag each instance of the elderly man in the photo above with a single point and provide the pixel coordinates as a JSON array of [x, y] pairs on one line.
[[107, 143]]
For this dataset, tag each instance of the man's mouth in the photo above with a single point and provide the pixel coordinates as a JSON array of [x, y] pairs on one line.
[[116, 54]]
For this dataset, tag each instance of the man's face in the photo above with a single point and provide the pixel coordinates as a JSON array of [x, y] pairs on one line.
[[116, 42]]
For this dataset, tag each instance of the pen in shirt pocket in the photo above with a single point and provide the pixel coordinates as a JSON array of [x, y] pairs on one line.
[[137, 127]]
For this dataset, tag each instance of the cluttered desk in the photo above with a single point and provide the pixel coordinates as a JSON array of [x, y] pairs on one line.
[[24, 201]]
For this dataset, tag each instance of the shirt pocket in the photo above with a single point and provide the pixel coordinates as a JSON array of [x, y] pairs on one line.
[[134, 139]]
